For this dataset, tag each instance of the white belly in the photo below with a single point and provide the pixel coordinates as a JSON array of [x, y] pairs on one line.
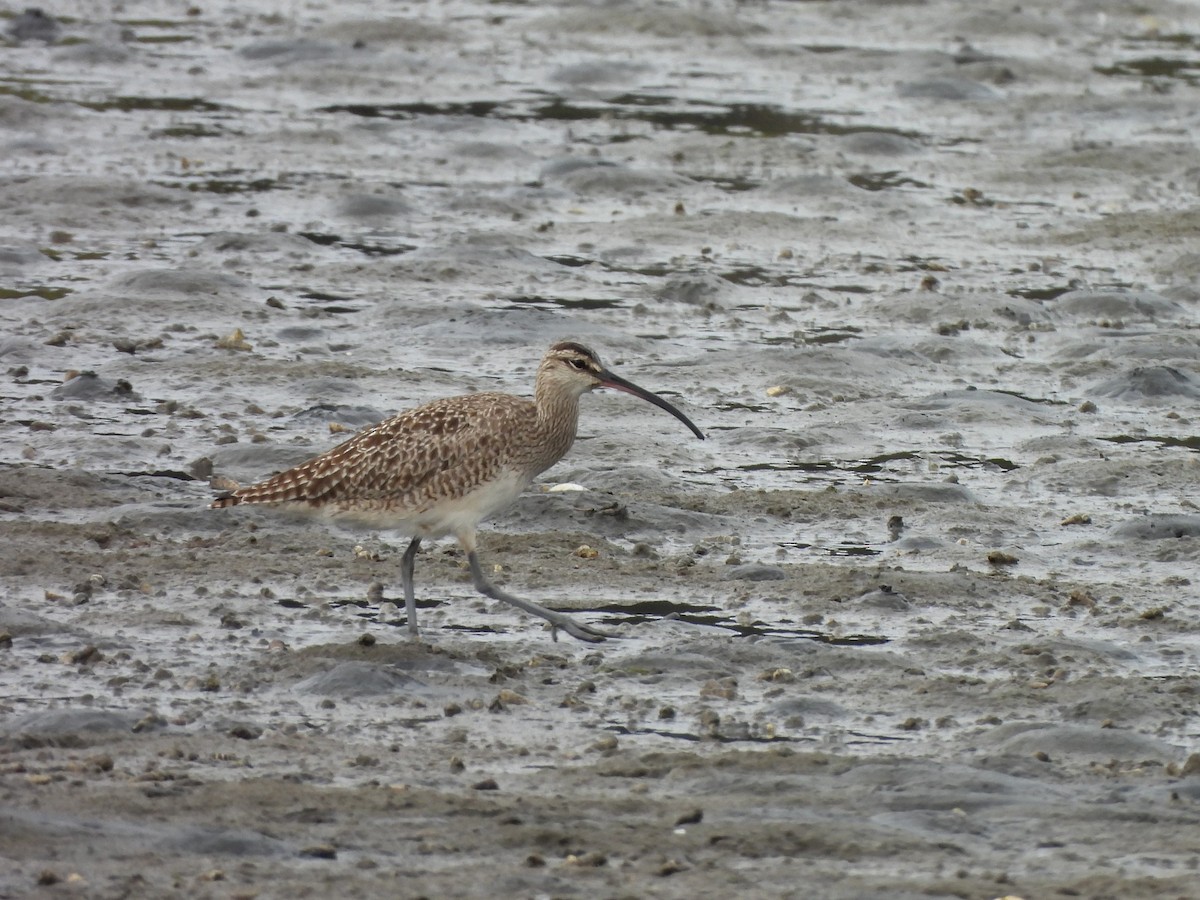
[[440, 518], [463, 514]]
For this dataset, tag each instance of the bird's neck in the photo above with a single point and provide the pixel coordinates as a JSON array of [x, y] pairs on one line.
[[557, 418]]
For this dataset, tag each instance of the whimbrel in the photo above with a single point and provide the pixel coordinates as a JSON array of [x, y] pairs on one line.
[[442, 468]]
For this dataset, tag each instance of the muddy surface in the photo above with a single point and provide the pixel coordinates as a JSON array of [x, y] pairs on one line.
[[919, 619]]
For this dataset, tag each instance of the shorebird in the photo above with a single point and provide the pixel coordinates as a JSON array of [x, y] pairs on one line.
[[442, 468]]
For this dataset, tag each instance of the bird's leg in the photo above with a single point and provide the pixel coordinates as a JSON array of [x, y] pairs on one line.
[[557, 620], [406, 579]]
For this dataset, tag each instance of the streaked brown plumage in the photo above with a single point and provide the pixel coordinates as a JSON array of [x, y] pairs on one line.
[[443, 467]]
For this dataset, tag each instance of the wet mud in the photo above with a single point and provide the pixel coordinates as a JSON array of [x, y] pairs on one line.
[[917, 620]]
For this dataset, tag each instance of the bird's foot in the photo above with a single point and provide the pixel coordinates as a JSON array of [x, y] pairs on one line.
[[578, 630], [557, 620]]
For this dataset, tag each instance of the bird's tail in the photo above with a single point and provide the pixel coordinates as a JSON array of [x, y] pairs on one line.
[[229, 497]]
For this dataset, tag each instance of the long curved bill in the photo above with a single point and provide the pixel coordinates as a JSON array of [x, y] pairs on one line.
[[616, 382]]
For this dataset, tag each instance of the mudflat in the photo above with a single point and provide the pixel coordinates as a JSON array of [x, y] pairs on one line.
[[917, 620]]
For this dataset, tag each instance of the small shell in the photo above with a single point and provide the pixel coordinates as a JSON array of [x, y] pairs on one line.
[[235, 340]]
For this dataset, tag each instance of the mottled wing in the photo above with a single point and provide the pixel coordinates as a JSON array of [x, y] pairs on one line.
[[440, 451]]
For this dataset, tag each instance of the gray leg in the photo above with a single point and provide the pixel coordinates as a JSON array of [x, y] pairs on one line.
[[557, 620], [406, 578]]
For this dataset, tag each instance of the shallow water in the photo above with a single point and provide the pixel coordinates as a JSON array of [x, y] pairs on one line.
[[917, 619]]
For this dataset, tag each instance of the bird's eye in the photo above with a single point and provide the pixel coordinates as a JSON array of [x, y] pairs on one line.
[[580, 364]]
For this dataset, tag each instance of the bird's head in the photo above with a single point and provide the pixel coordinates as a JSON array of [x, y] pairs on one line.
[[575, 368]]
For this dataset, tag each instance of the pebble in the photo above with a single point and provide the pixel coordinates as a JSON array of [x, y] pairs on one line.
[[756, 572], [319, 851], [235, 340], [692, 817]]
